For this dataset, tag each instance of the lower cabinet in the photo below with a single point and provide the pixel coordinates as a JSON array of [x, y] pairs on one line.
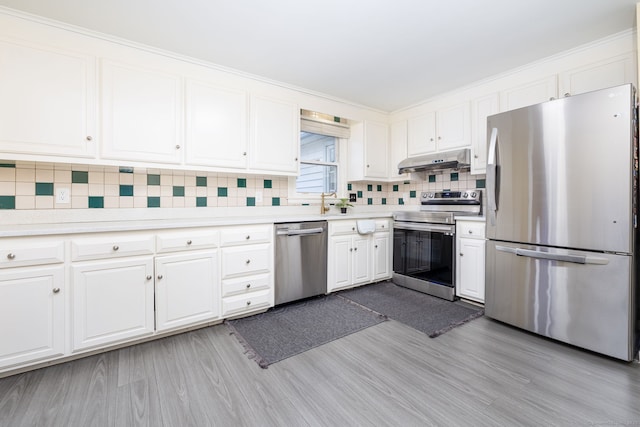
[[470, 245], [187, 289], [32, 314], [112, 301]]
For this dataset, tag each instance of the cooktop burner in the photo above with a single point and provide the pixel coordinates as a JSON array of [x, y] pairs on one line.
[[441, 207]]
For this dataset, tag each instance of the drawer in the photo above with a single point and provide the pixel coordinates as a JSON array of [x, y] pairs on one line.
[[470, 230], [112, 246], [342, 227], [246, 235], [383, 225], [251, 301], [25, 252], [244, 260], [243, 285], [186, 240]]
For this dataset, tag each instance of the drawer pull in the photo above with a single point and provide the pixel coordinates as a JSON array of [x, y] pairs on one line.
[[149, 277], [189, 242], [116, 247], [470, 232], [11, 256], [56, 290], [248, 237], [248, 285], [160, 276], [353, 229], [248, 261], [248, 303]]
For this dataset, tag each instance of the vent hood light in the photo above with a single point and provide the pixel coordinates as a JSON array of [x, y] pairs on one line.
[[456, 159]]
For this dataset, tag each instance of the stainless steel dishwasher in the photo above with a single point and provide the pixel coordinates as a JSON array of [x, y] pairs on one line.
[[301, 260]]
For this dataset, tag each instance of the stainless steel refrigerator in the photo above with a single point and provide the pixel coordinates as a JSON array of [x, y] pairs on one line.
[[562, 220]]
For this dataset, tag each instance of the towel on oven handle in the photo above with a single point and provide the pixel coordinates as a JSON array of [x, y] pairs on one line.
[[366, 226]]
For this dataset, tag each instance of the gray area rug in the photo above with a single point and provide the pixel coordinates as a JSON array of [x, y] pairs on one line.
[[428, 314], [291, 329]]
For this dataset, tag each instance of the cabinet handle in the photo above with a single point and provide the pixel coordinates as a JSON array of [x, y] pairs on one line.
[[439, 138], [567, 94], [296, 159], [89, 138], [11, 255], [248, 285], [248, 237], [475, 156], [431, 139], [367, 165], [248, 261], [383, 226], [189, 242], [461, 254], [149, 277], [470, 232], [56, 290], [355, 249], [248, 303], [376, 246], [244, 153], [160, 276], [116, 247], [353, 229], [350, 249], [177, 147]]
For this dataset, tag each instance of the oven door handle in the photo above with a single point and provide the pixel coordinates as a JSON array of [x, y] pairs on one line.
[[449, 230]]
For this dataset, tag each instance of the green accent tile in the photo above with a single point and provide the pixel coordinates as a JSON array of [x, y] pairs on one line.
[[412, 194], [407, 182], [359, 194], [384, 201], [125, 169], [305, 204], [153, 179], [7, 202], [222, 192], [242, 183], [8, 165], [432, 178], [379, 188], [401, 201], [348, 187], [369, 187], [251, 201], [395, 188], [201, 202], [96, 202], [178, 191], [480, 183], [153, 202], [275, 201], [44, 188], [268, 183], [80, 177], [126, 190], [446, 189], [454, 176], [201, 181], [336, 119], [369, 201]]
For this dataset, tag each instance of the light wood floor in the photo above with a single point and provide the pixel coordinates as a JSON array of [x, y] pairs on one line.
[[482, 373]]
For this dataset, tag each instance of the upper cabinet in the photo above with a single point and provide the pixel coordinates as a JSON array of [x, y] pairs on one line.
[[47, 101], [442, 130], [481, 109], [216, 125], [599, 75], [274, 135], [529, 93], [368, 151], [141, 114]]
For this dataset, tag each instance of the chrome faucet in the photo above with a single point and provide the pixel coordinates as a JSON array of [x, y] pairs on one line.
[[324, 209]]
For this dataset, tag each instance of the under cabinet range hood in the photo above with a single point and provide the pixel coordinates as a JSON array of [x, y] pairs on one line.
[[455, 159]]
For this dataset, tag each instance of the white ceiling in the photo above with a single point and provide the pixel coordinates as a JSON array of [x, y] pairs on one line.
[[385, 54]]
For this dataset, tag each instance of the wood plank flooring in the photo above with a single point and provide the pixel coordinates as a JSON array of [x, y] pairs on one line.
[[483, 373]]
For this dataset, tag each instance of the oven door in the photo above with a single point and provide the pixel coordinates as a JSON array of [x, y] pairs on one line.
[[424, 258]]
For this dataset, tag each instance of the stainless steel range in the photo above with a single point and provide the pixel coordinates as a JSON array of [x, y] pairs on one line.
[[424, 241]]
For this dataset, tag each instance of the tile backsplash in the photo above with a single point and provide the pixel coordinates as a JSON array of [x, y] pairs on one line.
[[40, 185]]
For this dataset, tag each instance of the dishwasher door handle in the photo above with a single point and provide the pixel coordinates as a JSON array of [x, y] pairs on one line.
[[303, 232]]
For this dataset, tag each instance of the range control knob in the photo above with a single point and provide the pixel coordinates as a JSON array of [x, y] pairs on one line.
[[431, 195], [474, 194], [465, 195]]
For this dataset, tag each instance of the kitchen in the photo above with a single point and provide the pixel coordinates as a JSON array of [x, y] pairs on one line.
[[118, 185]]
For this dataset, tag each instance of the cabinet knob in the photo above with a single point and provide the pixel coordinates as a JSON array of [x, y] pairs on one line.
[[248, 303], [296, 159], [439, 138], [461, 254], [177, 147], [431, 139], [56, 290], [350, 249], [376, 246], [248, 285], [116, 247], [353, 229], [567, 94], [189, 242], [367, 165], [11, 256], [355, 249], [382, 225], [248, 237], [248, 261], [89, 138], [244, 153], [160, 276], [475, 156], [149, 277]]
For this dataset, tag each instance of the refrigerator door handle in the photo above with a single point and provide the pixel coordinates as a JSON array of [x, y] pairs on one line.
[[576, 259], [492, 170]]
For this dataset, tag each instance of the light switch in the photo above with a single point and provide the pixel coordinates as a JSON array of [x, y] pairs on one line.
[[63, 195]]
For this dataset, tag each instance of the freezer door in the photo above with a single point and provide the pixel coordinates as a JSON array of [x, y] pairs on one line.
[[581, 298], [560, 173]]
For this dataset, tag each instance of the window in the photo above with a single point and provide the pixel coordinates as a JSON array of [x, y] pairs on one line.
[[318, 164]]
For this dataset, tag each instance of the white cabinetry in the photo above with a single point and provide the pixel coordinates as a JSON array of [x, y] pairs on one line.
[[445, 129], [47, 104], [529, 93], [481, 109], [599, 75], [470, 245], [368, 151], [216, 126], [141, 113], [397, 149], [247, 269], [274, 135]]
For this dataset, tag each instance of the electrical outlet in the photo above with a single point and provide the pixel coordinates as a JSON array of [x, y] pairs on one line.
[[63, 195], [352, 197]]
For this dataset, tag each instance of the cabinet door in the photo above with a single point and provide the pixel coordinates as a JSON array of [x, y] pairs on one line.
[[453, 127], [47, 101], [482, 108], [529, 93], [600, 75], [112, 301], [470, 269], [32, 312], [381, 256], [421, 134], [141, 114], [339, 268], [361, 269], [274, 136], [187, 289], [216, 126], [376, 149], [398, 148]]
